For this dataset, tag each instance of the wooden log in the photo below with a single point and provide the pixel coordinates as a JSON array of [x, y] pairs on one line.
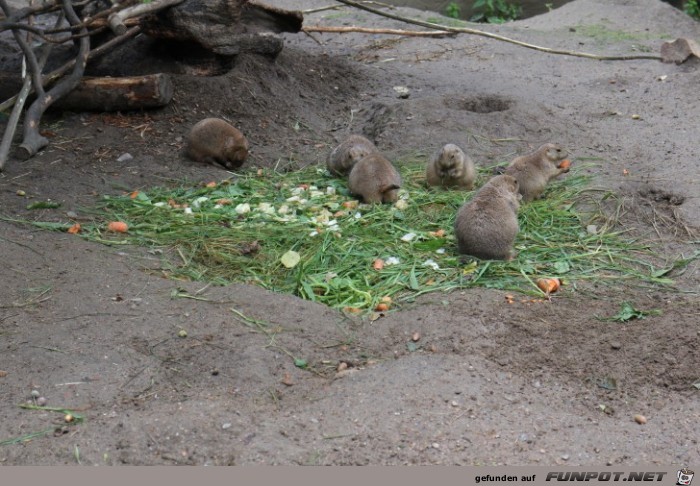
[[118, 94], [225, 27]]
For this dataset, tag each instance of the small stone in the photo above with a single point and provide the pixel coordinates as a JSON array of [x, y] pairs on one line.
[[565, 457], [402, 91], [71, 214], [679, 50], [640, 419], [342, 366], [21, 193], [182, 333], [41, 401], [436, 445], [125, 157], [415, 337], [636, 117], [616, 345], [454, 403], [591, 229], [226, 426]]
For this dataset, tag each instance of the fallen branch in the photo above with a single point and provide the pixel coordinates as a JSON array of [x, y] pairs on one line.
[[22, 98], [33, 140], [466, 30], [365, 30], [116, 20], [321, 9]]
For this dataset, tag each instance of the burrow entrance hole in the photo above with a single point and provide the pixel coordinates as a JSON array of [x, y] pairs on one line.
[[479, 104]]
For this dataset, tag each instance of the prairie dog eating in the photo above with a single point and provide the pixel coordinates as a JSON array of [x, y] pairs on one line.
[[375, 179], [451, 167], [536, 169], [215, 141], [348, 153]]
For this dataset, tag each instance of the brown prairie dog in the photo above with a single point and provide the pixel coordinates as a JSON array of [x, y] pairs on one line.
[[536, 169], [487, 225], [348, 153], [451, 167], [215, 141], [375, 179]]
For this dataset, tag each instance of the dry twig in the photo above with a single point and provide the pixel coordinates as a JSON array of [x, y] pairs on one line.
[[365, 30]]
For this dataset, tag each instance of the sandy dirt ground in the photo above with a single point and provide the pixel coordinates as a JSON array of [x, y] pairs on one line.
[[94, 328]]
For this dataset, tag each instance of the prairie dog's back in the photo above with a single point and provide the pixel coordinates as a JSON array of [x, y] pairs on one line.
[[214, 140], [487, 225]]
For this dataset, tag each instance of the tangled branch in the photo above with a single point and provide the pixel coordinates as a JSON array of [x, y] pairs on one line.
[[85, 18]]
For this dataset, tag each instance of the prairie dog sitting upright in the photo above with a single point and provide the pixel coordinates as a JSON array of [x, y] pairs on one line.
[[215, 141], [348, 153], [536, 169], [375, 179], [451, 167], [487, 225]]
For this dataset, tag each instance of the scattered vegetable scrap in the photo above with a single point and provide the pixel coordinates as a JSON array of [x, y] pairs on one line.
[[118, 227], [549, 285], [287, 380]]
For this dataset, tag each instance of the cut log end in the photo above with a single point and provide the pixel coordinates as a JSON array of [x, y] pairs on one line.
[[119, 94]]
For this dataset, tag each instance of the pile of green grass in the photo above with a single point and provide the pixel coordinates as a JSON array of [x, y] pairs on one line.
[[240, 230]]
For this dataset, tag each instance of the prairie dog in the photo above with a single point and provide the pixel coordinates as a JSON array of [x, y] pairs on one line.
[[375, 179], [348, 153], [451, 167], [536, 169], [487, 225], [214, 141]]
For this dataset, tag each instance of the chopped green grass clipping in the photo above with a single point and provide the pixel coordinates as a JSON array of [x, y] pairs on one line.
[[298, 233]]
